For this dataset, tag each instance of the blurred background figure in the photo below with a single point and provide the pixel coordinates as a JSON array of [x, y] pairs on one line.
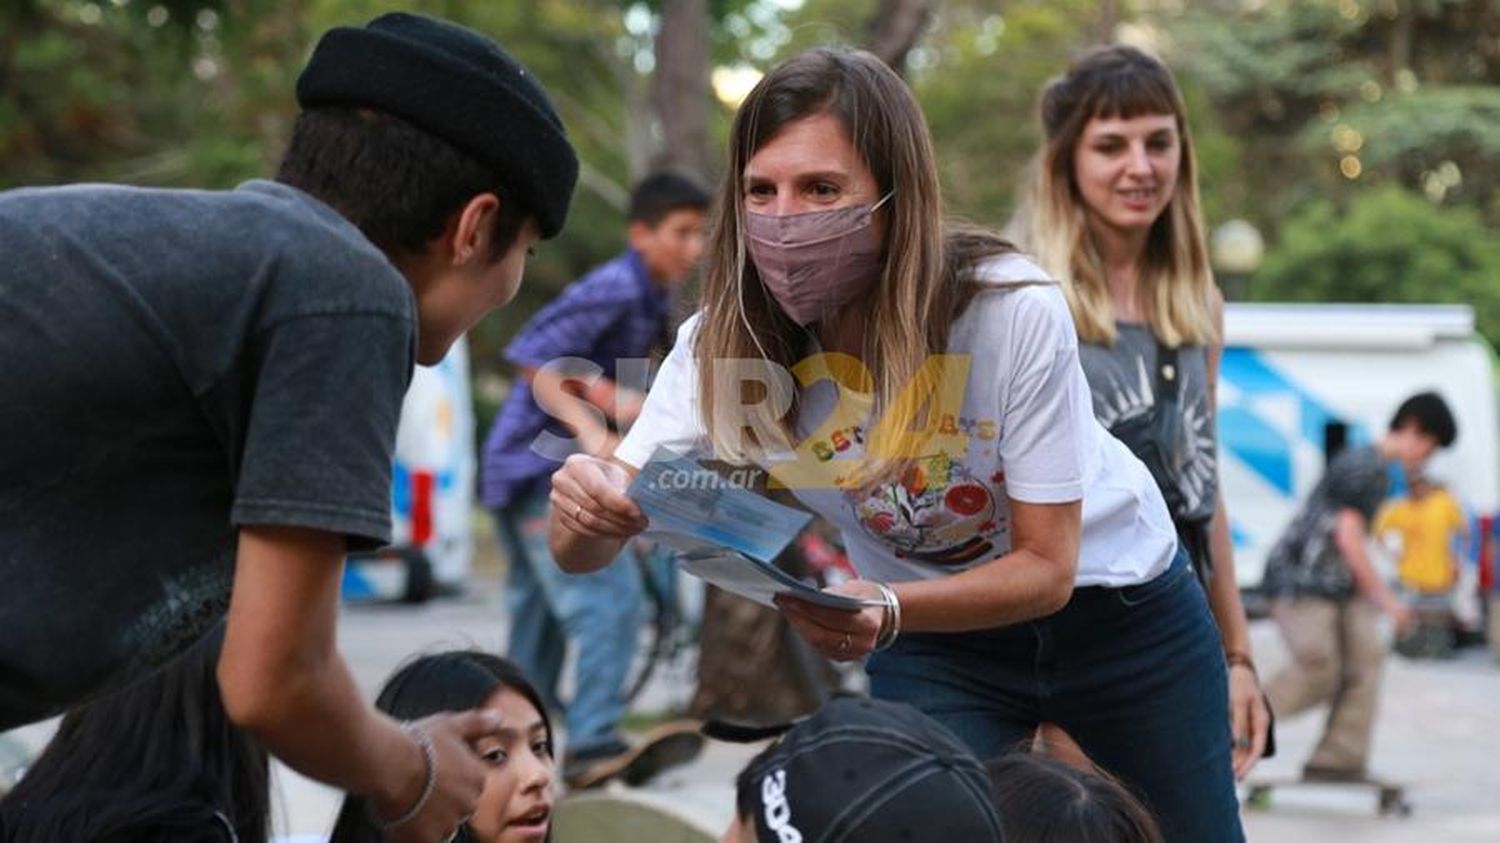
[[1328, 595], [583, 364], [1432, 531], [1431, 528]]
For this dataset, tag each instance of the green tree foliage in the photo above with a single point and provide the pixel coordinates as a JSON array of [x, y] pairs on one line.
[[1336, 95], [1387, 245], [977, 75], [1282, 95]]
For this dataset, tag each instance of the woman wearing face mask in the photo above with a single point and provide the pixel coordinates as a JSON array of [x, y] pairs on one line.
[[920, 389], [516, 803], [1112, 213]]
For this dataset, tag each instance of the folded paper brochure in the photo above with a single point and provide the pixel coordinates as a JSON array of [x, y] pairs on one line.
[[723, 532]]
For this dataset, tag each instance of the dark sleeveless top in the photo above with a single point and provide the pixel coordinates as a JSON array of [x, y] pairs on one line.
[[1122, 381]]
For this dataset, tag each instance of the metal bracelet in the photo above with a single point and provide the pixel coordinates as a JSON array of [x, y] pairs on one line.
[[892, 626], [429, 754]]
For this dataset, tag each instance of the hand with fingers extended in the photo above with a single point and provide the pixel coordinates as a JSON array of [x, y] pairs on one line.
[[839, 634], [588, 498], [432, 808]]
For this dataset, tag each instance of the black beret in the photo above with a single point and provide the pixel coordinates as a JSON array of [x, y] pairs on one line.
[[454, 84]]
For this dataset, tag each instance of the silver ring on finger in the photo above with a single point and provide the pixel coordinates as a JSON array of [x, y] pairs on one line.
[[578, 512]]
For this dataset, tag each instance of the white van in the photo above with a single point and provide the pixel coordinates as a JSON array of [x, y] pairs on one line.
[[1299, 381], [432, 491]]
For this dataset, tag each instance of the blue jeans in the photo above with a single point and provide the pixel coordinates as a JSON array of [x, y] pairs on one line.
[[598, 613], [1135, 675]]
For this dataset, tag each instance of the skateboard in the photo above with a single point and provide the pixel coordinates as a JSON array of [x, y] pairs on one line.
[[1391, 796], [667, 746]]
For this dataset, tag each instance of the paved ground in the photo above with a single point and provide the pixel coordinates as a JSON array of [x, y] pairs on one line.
[[1439, 732]]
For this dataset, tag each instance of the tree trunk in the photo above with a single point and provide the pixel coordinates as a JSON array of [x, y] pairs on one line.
[[1106, 21], [1401, 40], [679, 89], [896, 28]]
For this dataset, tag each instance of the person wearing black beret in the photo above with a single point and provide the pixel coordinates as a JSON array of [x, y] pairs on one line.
[[202, 389]]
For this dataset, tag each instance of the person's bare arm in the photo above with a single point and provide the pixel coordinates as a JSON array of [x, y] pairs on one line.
[[1349, 538], [1224, 589], [1249, 718], [585, 406], [283, 679], [1033, 580]]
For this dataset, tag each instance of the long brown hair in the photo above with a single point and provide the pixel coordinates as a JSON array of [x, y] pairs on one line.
[[1176, 283], [924, 281]]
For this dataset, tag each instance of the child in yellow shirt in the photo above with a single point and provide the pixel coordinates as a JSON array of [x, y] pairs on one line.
[[1426, 520]]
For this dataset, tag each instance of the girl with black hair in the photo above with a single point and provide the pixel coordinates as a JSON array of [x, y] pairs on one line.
[[516, 804], [159, 760], [1043, 800]]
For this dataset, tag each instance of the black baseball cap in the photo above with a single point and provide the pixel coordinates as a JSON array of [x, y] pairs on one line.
[[864, 771]]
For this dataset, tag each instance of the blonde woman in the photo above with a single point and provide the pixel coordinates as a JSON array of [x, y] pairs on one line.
[[1112, 213], [921, 390]]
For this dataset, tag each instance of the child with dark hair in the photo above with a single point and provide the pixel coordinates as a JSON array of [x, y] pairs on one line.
[[158, 760], [1327, 595], [1043, 800], [516, 804], [576, 390], [202, 390]]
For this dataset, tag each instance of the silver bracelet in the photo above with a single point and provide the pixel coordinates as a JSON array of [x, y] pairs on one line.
[[892, 629], [429, 754]]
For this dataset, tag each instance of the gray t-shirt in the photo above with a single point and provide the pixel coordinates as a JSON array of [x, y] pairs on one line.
[[1122, 380], [174, 365], [1305, 562]]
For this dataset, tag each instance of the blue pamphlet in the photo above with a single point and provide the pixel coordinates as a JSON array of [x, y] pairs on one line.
[[725, 533]]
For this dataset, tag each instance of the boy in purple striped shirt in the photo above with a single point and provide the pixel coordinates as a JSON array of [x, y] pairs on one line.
[[572, 357]]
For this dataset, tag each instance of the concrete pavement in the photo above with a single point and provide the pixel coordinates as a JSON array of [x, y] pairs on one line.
[[1439, 732]]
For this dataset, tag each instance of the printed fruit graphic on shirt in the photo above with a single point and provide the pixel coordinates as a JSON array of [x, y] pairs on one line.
[[938, 513], [967, 499]]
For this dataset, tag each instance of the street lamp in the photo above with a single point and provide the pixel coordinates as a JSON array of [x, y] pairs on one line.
[[1236, 251]]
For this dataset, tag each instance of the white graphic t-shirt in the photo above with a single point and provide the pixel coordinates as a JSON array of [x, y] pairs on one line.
[[1010, 418]]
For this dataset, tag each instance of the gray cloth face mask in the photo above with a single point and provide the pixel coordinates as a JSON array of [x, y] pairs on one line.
[[815, 263]]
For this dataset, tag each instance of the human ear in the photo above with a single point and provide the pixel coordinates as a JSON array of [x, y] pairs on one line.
[[471, 235]]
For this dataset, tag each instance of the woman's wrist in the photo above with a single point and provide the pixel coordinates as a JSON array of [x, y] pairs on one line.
[[890, 620], [1241, 658]]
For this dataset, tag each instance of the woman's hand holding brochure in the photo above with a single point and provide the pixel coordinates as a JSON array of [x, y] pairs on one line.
[[728, 534], [588, 495]]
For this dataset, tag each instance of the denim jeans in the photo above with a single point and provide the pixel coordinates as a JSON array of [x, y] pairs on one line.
[[598, 614], [1135, 675]]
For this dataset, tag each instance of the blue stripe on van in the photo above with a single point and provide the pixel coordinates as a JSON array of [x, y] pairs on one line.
[[1237, 535], [1252, 376], [1258, 445], [355, 585]]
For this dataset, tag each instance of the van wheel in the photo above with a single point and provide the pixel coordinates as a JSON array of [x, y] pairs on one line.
[[419, 579]]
